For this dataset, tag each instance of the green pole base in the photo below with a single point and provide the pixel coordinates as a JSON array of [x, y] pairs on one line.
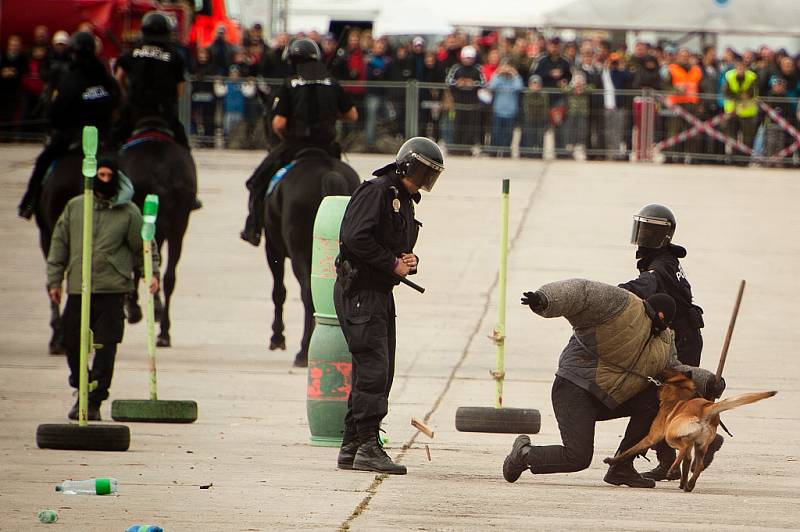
[[149, 411], [325, 441]]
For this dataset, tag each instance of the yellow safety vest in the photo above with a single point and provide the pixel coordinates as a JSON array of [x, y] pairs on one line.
[[745, 109]]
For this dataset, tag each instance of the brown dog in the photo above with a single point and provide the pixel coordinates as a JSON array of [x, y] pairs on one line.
[[686, 421]]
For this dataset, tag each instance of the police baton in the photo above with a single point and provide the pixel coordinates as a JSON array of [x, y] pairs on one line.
[[412, 284]]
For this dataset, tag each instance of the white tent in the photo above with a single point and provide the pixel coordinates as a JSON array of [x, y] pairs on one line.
[[410, 17], [752, 17]]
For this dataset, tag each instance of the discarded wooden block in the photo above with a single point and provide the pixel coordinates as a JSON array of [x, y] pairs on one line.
[[422, 427]]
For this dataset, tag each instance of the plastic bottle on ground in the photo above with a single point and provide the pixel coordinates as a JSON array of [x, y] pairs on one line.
[[94, 486], [144, 528], [47, 516]]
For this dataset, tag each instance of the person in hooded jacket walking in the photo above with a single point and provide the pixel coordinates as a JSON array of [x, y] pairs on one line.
[[116, 251]]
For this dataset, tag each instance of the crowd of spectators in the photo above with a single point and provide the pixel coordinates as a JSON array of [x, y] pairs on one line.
[[474, 91]]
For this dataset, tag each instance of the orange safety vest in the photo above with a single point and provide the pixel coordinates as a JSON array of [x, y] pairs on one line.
[[688, 81]]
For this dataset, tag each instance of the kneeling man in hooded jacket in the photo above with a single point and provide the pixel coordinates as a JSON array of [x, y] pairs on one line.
[[620, 344]]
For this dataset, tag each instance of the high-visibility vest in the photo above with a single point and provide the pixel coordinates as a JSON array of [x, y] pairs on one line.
[[743, 109], [688, 81]]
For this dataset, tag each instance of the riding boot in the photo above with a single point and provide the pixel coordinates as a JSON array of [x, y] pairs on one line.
[[252, 231], [517, 460], [349, 448], [624, 473], [666, 457], [372, 457]]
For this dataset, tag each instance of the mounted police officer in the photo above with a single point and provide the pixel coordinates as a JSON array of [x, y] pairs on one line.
[[660, 272], [377, 240], [152, 77], [86, 95], [305, 111]]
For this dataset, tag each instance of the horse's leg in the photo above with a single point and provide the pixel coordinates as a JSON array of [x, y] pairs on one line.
[[175, 240], [301, 264], [276, 260], [56, 346], [132, 309]]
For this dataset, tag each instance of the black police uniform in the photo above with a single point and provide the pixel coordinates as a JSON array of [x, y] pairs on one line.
[[154, 72], [311, 105], [85, 96], [378, 226], [661, 272]]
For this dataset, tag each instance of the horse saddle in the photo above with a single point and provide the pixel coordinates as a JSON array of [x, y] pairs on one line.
[[150, 129]]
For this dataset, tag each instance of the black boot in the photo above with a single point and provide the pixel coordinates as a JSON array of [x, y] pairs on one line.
[[666, 457], [660, 471], [712, 449], [92, 411], [517, 460], [347, 452], [251, 232], [372, 457], [624, 473]]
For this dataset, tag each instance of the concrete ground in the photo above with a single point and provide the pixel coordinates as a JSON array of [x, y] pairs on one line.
[[251, 440]]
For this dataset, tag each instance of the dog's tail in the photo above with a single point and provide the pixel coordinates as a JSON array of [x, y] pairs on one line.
[[737, 401]]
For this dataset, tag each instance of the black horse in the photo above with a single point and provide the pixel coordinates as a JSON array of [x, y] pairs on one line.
[[289, 213], [156, 164], [63, 182]]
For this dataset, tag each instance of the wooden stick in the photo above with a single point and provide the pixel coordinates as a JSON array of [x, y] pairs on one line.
[[428, 452], [728, 336], [422, 427]]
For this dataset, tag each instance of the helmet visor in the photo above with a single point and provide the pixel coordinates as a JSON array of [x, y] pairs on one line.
[[423, 172], [650, 232]]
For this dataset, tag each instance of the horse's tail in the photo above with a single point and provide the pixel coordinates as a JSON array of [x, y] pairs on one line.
[[334, 184]]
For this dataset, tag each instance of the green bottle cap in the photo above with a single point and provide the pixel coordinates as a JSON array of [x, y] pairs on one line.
[[102, 486], [90, 140], [149, 214]]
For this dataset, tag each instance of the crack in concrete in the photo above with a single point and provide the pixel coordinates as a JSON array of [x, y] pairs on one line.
[[372, 490]]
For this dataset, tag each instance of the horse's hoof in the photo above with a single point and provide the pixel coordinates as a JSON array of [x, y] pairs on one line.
[[163, 341], [56, 349], [277, 344], [134, 313], [301, 361]]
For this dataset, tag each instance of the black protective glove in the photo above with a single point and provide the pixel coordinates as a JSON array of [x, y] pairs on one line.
[[535, 300], [715, 389]]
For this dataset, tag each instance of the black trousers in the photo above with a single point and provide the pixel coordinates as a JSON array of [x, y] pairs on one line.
[[367, 318], [577, 411], [107, 322]]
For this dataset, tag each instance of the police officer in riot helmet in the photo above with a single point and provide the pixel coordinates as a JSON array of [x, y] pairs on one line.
[[660, 271], [304, 115], [86, 95], [377, 239], [152, 77]]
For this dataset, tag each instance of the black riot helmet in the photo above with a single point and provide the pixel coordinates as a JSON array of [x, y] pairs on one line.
[[653, 227], [421, 161], [83, 45], [156, 27], [301, 51]]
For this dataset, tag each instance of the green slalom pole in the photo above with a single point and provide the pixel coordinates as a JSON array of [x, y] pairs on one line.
[[87, 338], [148, 233], [499, 333]]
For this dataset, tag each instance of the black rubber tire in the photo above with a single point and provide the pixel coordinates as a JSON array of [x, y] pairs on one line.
[[498, 420], [73, 437], [147, 411]]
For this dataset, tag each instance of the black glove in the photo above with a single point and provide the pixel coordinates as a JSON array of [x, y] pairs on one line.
[[535, 300], [714, 389]]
